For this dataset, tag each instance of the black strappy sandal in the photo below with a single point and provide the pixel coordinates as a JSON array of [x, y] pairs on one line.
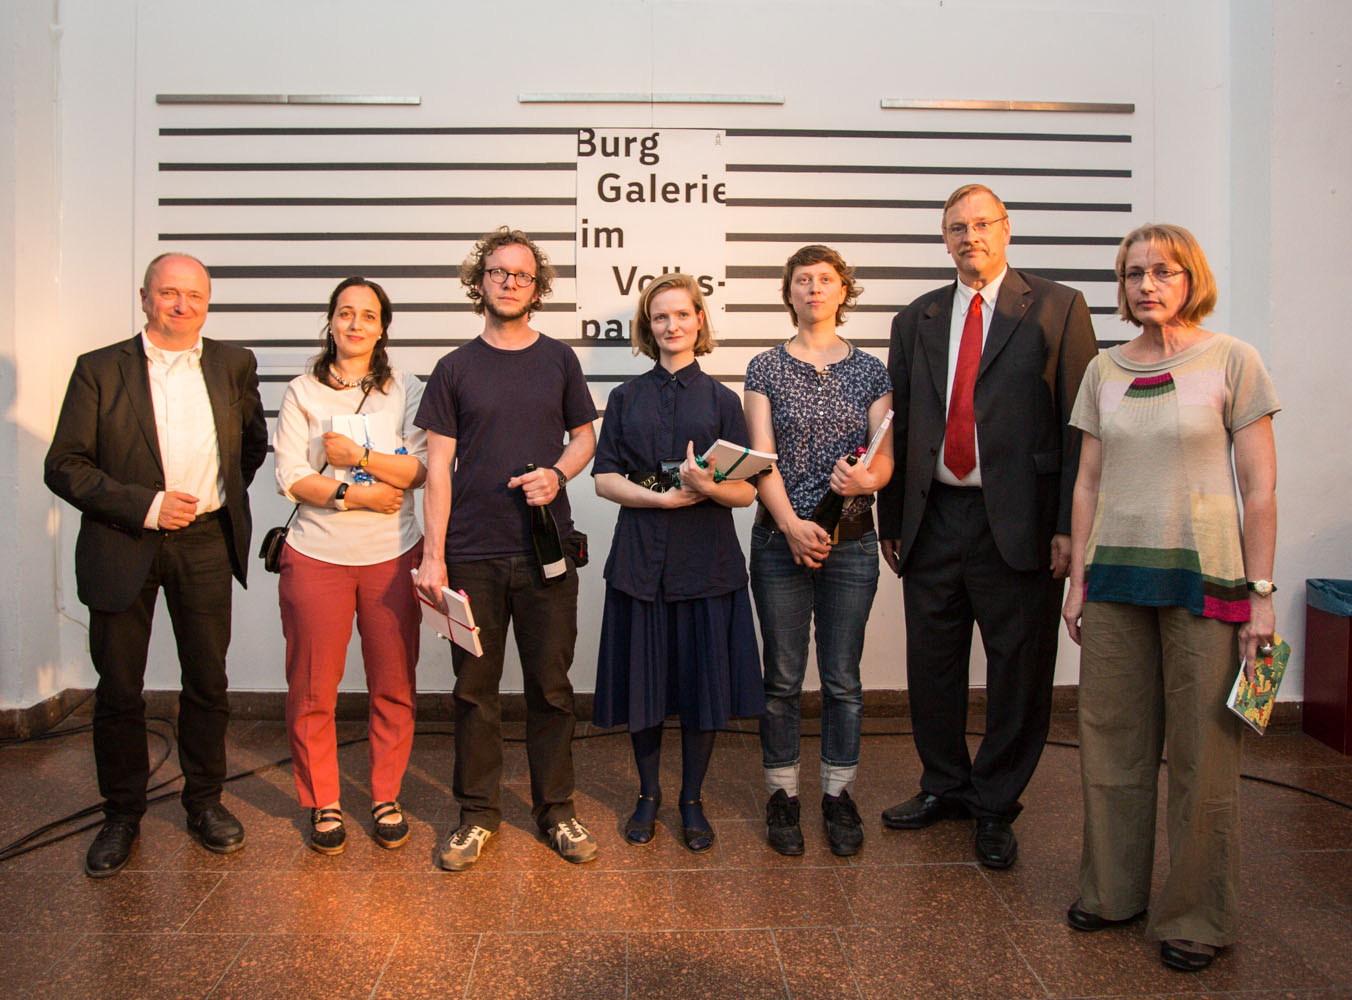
[[389, 835], [697, 839], [641, 834], [327, 841]]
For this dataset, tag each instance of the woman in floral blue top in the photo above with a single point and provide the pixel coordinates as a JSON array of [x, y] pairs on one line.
[[815, 399]]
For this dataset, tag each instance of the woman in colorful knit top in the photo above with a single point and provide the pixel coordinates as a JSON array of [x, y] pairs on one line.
[[1168, 588]]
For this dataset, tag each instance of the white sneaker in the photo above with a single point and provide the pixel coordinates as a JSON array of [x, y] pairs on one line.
[[462, 848], [571, 841]]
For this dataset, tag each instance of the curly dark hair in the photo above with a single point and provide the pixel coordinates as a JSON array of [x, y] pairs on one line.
[[380, 373], [472, 270], [816, 253]]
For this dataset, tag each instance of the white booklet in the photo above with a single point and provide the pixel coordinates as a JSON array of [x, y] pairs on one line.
[[455, 623], [733, 461]]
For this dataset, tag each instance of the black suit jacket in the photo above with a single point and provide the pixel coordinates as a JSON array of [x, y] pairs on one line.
[[1039, 343], [105, 461]]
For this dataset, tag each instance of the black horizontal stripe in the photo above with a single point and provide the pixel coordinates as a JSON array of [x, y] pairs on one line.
[[374, 165], [778, 307], [937, 205], [399, 307], [1109, 241], [391, 237], [892, 168], [453, 201], [345, 270], [823, 133], [934, 273], [370, 130]]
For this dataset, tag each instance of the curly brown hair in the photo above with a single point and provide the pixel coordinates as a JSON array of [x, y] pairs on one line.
[[472, 270], [816, 253]]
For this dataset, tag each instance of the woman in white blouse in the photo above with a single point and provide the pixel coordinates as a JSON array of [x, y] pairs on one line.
[[348, 453]]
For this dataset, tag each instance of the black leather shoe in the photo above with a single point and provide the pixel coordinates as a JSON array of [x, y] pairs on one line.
[[920, 811], [111, 848], [216, 829], [1185, 959], [995, 844], [1083, 920]]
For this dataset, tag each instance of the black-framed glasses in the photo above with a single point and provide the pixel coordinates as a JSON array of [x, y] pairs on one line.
[[499, 276], [1159, 275], [980, 228]]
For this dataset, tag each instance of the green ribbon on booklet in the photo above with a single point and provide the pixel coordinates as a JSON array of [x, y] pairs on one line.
[[720, 476]]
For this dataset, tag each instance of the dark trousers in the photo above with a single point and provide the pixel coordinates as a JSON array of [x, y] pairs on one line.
[[193, 568], [954, 576], [544, 621]]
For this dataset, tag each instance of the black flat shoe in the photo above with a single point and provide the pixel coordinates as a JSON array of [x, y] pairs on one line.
[[641, 834], [111, 849], [332, 841], [216, 829], [1184, 959], [995, 844], [390, 835], [697, 839], [920, 811], [1083, 920]]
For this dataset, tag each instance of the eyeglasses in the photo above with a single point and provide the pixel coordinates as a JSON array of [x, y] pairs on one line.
[[499, 276], [958, 230], [1159, 275]]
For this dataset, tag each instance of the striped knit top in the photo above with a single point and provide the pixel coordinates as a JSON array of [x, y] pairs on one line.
[[1166, 530]]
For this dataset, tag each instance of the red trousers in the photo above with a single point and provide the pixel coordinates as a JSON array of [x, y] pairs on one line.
[[318, 600]]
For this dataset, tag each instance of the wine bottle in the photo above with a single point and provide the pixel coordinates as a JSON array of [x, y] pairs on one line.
[[544, 537], [829, 507]]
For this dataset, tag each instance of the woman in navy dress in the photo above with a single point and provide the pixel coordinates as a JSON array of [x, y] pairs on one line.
[[677, 635]]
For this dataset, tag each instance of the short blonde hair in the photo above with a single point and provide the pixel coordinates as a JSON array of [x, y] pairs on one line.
[[1182, 247], [642, 336], [965, 191]]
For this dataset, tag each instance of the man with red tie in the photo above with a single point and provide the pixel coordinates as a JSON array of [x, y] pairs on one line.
[[984, 374]]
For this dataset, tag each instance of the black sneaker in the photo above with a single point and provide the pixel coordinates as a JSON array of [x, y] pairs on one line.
[[781, 824], [844, 831]]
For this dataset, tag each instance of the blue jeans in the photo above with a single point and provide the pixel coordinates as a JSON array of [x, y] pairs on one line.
[[787, 595]]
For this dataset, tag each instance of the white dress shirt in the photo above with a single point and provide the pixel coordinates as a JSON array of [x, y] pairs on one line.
[[185, 426], [962, 301]]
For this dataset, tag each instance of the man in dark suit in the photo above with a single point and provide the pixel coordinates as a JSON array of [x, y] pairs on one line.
[[984, 373], [158, 439]]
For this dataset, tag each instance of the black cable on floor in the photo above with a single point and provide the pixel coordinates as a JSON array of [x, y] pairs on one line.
[[22, 846]]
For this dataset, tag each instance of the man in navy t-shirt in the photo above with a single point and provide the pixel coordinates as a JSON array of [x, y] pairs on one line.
[[507, 399]]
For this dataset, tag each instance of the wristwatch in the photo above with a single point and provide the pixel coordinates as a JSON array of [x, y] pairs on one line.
[[365, 458], [338, 502], [563, 480], [1263, 588]]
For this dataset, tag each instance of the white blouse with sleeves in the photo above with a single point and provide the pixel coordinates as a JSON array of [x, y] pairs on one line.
[[355, 537]]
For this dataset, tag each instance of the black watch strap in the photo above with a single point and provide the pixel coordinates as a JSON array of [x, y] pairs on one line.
[[563, 480]]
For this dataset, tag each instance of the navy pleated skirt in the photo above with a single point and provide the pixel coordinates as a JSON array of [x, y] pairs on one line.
[[697, 659]]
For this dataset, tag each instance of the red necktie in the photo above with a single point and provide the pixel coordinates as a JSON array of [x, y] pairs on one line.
[[960, 437]]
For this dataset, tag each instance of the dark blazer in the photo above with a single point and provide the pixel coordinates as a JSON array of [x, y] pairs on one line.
[[105, 461], [1040, 341]]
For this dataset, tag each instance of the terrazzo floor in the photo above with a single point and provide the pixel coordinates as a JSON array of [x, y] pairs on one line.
[[911, 916]]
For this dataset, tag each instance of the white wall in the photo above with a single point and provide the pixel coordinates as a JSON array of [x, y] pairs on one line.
[[1241, 110]]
